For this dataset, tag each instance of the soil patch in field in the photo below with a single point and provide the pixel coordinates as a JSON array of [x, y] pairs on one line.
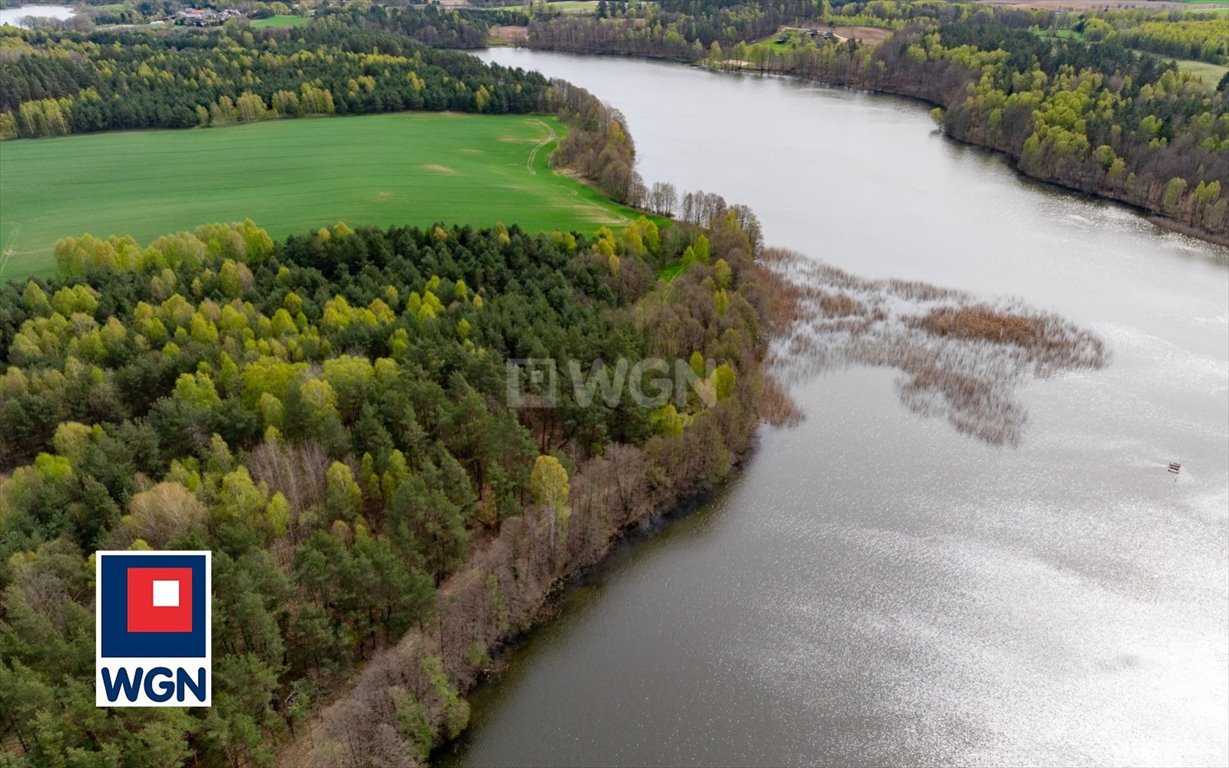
[[510, 35], [868, 35]]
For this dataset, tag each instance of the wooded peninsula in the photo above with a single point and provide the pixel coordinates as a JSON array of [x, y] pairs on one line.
[[329, 414]]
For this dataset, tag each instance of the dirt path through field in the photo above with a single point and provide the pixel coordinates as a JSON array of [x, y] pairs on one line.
[[533, 153]]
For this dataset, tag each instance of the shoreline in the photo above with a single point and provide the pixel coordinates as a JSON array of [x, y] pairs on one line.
[[310, 746], [1158, 219], [514, 576], [632, 535]]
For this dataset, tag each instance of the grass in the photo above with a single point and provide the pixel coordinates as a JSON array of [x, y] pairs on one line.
[[1069, 34], [793, 38], [280, 22], [670, 271], [1061, 34], [771, 42], [791, 41], [289, 176], [1209, 73]]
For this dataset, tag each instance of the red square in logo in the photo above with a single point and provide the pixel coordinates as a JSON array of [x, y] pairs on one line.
[[159, 599]]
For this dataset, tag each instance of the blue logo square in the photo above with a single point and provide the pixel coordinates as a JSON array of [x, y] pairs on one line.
[[113, 612]]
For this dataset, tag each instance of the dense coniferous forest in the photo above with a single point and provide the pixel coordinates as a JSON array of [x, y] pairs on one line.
[[55, 83], [1080, 109], [330, 416]]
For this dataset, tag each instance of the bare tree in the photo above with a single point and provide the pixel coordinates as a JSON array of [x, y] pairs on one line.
[[297, 471], [663, 198]]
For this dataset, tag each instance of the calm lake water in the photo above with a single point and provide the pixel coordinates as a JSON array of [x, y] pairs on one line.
[[13, 16], [875, 588]]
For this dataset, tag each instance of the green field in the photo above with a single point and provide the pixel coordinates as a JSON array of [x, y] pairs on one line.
[[288, 176], [770, 41], [1209, 73], [280, 22], [791, 41]]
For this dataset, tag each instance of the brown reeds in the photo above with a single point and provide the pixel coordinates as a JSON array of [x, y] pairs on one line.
[[777, 406], [960, 358]]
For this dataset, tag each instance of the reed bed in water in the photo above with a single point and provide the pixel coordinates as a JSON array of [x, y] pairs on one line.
[[959, 357]]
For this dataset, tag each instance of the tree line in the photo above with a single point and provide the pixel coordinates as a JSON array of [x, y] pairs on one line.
[[677, 30], [429, 24], [56, 83], [1205, 38], [329, 416], [598, 146], [689, 30]]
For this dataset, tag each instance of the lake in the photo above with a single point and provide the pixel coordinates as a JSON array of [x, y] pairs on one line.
[[874, 587], [13, 16]]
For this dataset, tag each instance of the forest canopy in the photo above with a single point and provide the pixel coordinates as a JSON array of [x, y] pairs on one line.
[[54, 83], [329, 415]]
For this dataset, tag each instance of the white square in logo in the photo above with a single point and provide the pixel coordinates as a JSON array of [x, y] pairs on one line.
[[166, 594]]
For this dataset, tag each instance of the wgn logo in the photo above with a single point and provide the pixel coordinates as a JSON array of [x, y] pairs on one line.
[[152, 634]]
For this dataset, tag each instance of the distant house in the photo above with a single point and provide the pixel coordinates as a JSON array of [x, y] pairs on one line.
[[205, 17]]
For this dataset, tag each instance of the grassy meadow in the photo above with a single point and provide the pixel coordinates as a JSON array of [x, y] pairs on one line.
[[288, 176], [1209, 73], [280, 22]]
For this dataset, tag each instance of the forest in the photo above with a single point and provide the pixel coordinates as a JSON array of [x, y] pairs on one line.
[[1206, 39], [1082, 110], [329, 416], [55, 83], [428, 24]]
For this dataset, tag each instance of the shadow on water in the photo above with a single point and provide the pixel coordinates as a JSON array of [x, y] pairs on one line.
[[689, 522]]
